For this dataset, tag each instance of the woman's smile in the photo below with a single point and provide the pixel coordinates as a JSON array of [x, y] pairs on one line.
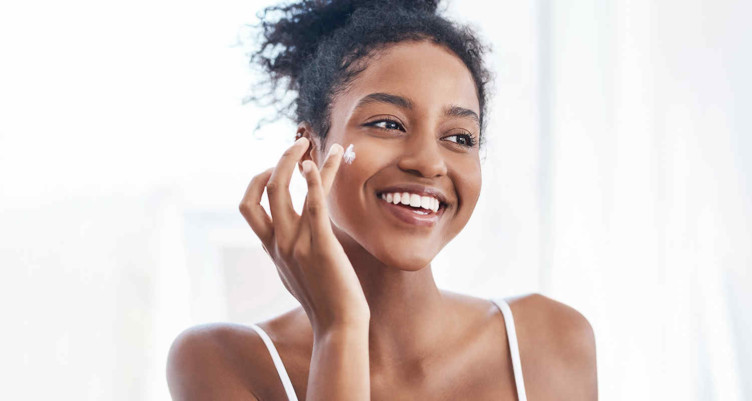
[[413, 209]]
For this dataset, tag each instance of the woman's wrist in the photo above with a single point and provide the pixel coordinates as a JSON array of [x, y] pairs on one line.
[[339, 363], [352, 327]]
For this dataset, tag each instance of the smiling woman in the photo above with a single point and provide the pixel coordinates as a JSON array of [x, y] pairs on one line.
[[407, 89]]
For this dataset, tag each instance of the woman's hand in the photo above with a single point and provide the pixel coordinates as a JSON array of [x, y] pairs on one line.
[[310, 260]]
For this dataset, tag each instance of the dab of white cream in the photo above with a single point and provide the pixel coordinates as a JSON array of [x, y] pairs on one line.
[[349, 155]]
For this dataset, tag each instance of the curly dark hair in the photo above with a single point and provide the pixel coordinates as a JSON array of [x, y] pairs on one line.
[[317, 47]]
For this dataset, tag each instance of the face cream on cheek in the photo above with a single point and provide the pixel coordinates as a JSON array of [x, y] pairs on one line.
[[349, 155]]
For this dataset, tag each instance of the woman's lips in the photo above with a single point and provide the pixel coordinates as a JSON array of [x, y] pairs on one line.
[[407, 215]]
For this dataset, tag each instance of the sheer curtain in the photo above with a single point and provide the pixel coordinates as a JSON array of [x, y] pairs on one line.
[[649, 202], [617, 179]]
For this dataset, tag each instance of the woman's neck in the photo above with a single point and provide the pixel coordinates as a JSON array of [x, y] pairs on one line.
[[409, 314]]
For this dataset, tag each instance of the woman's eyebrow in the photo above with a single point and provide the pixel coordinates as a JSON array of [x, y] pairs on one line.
[[457, 111], [380, 97], [406, 103]]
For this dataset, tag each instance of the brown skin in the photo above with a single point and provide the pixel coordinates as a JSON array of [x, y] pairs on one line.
[[423, 343]]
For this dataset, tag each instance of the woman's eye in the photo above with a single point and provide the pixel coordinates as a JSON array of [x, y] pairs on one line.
[[386, 124], [464, 140]]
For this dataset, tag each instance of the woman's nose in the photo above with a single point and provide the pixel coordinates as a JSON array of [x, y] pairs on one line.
[[422, 156]]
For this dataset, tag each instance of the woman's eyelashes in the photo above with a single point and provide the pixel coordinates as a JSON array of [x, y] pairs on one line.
[[387, 124], [468, 140]]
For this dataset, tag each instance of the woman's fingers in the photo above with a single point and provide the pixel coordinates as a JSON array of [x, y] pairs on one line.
[[277, 189], [330, 167], [315, 205], [326, 176], [250, 207]]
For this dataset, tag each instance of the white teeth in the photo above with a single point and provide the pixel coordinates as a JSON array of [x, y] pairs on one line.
[[405, 198], [425, 202], [414, 200]]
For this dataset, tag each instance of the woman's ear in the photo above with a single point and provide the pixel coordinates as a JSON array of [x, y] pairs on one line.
[[304, 130]]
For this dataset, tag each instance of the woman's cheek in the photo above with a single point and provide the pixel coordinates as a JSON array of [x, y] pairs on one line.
[[352, 197], [346, 195], [472, 184]]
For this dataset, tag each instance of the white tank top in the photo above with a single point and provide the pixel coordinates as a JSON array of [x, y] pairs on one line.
[[511, 336]]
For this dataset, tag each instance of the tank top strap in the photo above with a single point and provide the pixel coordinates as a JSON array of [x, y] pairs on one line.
[[506, 311], [281, 371]]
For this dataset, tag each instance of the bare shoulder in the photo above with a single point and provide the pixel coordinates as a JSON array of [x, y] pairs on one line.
[[205, 362], [557, 347], [219, 361], [567, 326], [230, 361]]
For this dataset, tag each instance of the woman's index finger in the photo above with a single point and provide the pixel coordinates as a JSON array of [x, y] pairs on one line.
[[277, 189], [330, 167], [315, 206]]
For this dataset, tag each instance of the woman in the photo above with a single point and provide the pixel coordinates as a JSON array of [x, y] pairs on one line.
[[404, 91]]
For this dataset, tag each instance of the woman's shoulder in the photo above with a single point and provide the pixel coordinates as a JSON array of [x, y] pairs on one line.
[[533, 309], [557, 345], [563, 326], [232, 355], [536, 317], [544, 312]]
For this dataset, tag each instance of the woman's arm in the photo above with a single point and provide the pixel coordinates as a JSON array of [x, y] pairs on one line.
[[580, 357], [198, 367], [568, 370], [316, 270], [339, 364]]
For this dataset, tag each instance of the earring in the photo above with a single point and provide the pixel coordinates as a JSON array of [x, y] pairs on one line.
[[298, 135]]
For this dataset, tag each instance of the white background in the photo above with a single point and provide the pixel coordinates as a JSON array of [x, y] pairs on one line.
[[617, 179]]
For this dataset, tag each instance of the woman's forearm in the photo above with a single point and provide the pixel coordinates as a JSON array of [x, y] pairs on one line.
[[340, 366]]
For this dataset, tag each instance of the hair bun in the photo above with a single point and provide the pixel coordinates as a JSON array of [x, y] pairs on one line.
[[291, 40]]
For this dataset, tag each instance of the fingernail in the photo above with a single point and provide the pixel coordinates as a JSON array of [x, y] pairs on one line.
[[306, 166], [332, 149]]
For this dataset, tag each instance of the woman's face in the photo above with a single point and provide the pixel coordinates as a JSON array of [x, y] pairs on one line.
[[411, 116]]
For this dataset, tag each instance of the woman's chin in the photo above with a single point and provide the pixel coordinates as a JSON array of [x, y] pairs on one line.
[[407, 261], [400, 252]]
